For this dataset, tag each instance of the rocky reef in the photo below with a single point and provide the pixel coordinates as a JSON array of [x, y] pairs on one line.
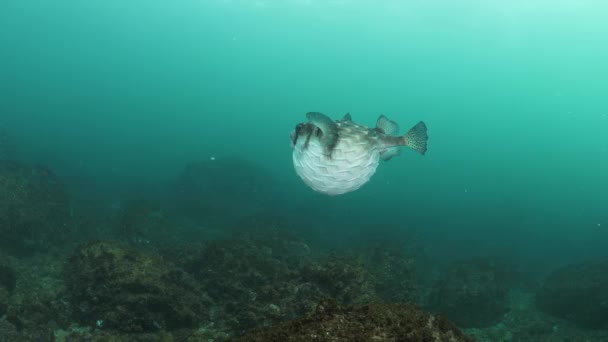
[[473, 293], [578, 293], [36, 304], [266, 277], [401, 273], [120, 288], [143, 271], [526, 323], [370, 322], [34, 208]]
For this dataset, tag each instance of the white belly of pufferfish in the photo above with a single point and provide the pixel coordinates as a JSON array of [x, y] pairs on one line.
[[351, 165]]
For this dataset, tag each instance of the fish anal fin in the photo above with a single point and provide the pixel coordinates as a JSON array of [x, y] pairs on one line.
[[390, 152]]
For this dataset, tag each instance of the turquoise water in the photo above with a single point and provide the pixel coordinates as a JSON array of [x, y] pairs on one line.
[[120, 95]]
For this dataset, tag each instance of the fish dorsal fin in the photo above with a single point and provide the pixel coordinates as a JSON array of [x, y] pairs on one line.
[[328, 127], [347, 117], [388, 127]]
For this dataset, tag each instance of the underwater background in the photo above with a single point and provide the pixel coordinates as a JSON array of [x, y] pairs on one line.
[[137, 129]]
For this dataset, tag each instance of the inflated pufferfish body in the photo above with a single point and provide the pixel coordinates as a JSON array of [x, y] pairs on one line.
[[336, 157]]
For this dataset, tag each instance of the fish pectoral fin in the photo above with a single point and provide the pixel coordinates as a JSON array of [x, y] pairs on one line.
[[328, 127], [416, 138], [387, 126]]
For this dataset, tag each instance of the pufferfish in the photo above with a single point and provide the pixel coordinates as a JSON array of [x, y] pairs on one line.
[[337, 157]]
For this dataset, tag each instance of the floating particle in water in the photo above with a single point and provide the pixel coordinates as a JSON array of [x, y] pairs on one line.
[[212, 158]]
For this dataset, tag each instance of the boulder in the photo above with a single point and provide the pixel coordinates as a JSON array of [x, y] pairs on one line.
[[472, 293], [34, 208], [577, 292], [120, 288], [370, 322]]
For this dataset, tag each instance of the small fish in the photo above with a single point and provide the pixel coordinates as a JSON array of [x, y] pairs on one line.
[[337, 157]]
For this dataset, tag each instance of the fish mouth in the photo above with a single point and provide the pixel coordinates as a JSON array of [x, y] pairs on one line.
[[293, 138], [295, 134]]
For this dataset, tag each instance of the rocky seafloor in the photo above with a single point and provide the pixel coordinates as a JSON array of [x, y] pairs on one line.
[[71, 270]]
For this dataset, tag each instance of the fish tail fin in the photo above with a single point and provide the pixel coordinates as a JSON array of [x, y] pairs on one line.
[[416, 138]]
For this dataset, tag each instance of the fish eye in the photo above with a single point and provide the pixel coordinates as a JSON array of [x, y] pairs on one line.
[[318, 132]]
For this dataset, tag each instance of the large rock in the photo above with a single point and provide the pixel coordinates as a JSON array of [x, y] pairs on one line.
[[373, 322], [578, 293], [343, 279], [473, 293], [121, 288], [266, 276], [402, 271], [250, 283], [34, 208]]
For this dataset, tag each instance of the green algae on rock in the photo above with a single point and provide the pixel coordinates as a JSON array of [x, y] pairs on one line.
[[267, 277], [371, 322], [120, 288], [250, 286], [341, 278]]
